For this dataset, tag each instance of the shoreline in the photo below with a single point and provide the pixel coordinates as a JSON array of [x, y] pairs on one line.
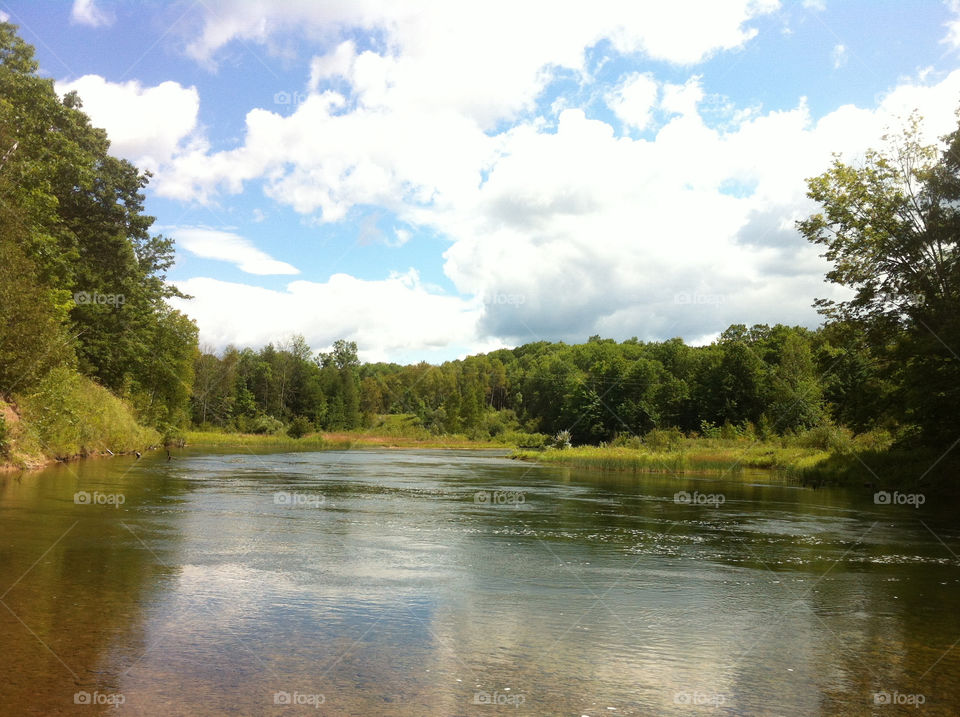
[[332, 441], [918, 470]]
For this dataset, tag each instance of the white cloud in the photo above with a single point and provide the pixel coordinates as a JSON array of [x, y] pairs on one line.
[[389, 318], [682, 99], [85, 12], [839, 56], [634, 99], [952, 37], [145, 124], [818, 5], [229, 247], [677, 234], [487, 61]]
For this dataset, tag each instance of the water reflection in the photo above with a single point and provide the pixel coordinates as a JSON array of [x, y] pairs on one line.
[[362, 583]]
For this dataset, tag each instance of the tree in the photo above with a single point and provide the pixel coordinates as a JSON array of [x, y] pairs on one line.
[[890, 227], [796, 401], [73, 223]]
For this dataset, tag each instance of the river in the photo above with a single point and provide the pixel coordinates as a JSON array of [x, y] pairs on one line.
[[464, 583]]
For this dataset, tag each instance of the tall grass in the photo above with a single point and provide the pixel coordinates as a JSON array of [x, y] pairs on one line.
[[217, 439], [810, 455], [69, 415]]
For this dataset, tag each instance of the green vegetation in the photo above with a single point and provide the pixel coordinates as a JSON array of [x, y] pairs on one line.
[[69, 415], [81, 280], [89, 346], [793, 454]]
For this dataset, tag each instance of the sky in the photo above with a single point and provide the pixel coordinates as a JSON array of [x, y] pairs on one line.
[[439, 178]]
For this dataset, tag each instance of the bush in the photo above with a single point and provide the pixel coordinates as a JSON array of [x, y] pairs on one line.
[[708, 429], [561, 441], [70, 415], [299, 427], [827, 438], [266, 425], [625, 440], [4, 438], [730, 431], [664, 439], [522, 439]]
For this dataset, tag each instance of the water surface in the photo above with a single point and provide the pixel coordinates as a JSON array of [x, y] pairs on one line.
[[463, 583]]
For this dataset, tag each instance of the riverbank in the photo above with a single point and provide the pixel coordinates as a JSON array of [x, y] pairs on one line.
[[338, 440], [68, 417], [877, 467]]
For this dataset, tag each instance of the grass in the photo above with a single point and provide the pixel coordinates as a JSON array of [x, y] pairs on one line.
[[340, 440], [70, 416], [693, 459], [821, 456], [811, 457]]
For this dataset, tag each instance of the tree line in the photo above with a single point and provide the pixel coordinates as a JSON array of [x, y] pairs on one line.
[[775, 379], [82, 279], [83, 289]]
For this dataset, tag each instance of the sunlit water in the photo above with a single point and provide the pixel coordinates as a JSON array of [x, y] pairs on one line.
[[453, 583]]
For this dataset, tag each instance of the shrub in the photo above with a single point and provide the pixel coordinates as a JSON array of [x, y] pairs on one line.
[[561, 441], [730, 431], [625, 440], [266, 425], [827, 438], [299, 427], [664, 439], [70, 415], [522, 439], [708, 429], [4, 438]]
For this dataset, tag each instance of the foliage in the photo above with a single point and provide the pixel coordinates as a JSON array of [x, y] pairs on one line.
[[4, 434], [266, 425], [68, 414], [299, 427], [82, 279], [890, 229], [666, 439]]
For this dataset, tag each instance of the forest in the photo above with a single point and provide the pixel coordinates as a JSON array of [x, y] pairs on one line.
[[85, 319]]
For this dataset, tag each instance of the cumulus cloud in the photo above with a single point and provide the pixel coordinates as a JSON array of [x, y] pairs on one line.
[[227, 246], [488, 61], [557, 229], [85, 12], [387, 318], [572, 230], [146, 125], [633, 100], [952, 37]]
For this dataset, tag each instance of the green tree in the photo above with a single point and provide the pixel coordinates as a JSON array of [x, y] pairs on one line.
[[890, 229]]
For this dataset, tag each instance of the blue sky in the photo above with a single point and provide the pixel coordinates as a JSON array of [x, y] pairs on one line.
[[431, 179]]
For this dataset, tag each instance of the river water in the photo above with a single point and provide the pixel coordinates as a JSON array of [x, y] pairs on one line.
[[464, 583]]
